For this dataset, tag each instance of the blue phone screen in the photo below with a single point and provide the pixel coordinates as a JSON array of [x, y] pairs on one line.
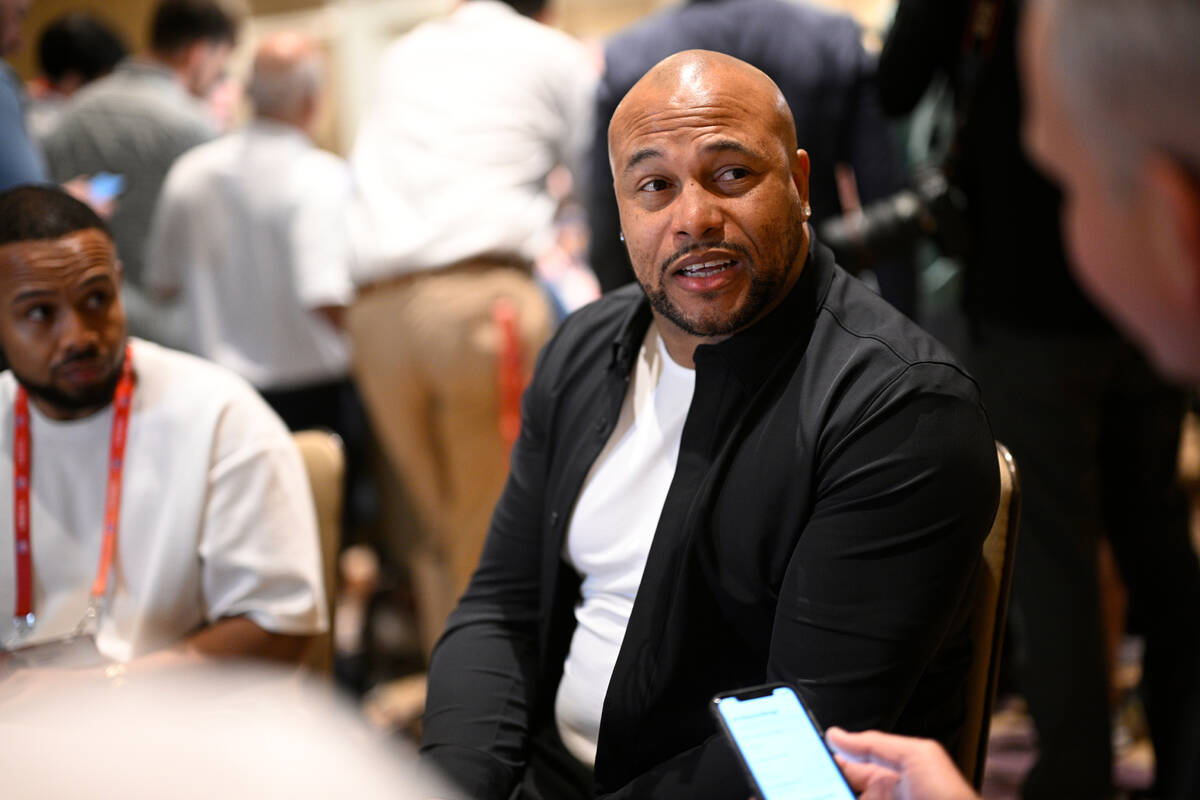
[[782, 748]]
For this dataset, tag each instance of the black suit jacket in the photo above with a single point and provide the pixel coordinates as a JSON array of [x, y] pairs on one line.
[[835, 480]]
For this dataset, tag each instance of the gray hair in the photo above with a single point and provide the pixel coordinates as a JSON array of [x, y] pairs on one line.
[[283, 90], [1130, 73]]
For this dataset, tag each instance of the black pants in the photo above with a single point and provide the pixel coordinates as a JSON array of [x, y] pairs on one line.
[[1095, 437], [334, 406]]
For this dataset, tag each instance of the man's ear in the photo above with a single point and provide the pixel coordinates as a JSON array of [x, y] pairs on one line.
[[1171, 195], [800, 169]]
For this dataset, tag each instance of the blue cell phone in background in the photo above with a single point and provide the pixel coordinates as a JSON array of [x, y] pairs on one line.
[[104, 186], [781, 746]]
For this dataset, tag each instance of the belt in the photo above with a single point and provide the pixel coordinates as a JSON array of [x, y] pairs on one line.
[[477, 264]]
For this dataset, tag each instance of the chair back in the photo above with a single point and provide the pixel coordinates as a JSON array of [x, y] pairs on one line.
[[992, 585], [325, 462]]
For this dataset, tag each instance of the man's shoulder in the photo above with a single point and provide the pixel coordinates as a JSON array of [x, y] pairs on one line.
[[865, 340], [798, 45], [586, 339], [125, 102], [179, 388]]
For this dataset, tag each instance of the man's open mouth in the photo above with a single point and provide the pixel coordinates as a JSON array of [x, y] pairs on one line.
[[706, 268]]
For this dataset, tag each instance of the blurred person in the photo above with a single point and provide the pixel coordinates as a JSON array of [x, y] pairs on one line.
[[230, 730], [746, 468], [453, 208], [72, 51], [20, 160], [1110, 117], [250, 234], [165, 477], [135, 123], [817, 58], [1094, 430]]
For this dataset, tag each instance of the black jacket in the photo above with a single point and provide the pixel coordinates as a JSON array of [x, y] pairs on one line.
[[835, 479]]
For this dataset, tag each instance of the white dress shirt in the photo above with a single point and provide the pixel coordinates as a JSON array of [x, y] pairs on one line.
[[252, 229], [472, 113]]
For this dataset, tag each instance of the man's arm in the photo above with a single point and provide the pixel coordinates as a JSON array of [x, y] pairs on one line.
[[239, 637], [905, 498], [261, 558], [482, 678]]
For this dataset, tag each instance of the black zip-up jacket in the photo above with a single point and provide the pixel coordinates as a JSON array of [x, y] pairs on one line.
[[835, 480]]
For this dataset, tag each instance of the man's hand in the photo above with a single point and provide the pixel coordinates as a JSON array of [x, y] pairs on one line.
[[881, 766]]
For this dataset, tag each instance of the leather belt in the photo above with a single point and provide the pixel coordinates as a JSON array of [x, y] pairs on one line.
[[476, 264]]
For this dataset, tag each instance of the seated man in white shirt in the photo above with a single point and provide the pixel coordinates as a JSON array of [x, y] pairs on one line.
[[158, 501]]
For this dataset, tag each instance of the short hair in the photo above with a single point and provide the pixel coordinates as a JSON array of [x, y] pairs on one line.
[[1128, 71], [277, 92], [179, 23], [526, 7], [79, 43], [44, 211]]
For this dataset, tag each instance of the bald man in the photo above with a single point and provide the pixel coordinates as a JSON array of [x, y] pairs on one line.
[[250, 232], [747, 468]]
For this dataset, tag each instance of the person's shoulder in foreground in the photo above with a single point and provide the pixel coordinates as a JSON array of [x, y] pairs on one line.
[[834, 480]]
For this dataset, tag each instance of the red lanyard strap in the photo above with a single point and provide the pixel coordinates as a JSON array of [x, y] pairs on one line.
[[22, 480]]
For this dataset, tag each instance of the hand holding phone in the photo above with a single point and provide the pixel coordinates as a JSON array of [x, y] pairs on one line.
[[780, 744]]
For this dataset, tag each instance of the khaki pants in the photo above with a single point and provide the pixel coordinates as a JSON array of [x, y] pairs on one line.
[[425, 358]]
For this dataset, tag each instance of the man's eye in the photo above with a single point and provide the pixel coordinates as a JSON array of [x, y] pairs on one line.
[[732, 174], [96, 301], [39, 313], [653, 185]]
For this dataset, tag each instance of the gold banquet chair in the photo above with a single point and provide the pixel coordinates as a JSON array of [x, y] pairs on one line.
[[325, 462], [992, 585]]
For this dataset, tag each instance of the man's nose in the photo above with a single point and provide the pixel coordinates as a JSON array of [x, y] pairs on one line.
[[698, 214], [76, 334]]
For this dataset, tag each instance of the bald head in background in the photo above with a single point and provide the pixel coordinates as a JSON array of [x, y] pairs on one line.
[[285, 82], [713, 195]]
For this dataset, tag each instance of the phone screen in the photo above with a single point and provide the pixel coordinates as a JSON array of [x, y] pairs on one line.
[[781, 746], [104, 186]]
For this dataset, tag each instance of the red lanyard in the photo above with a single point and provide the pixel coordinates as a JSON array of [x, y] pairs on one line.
[[22, 449]]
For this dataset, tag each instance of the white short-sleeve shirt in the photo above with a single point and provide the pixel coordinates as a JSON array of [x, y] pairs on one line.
[[216, 516]]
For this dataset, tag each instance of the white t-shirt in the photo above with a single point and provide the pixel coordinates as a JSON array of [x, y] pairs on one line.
[[252, 229], [216, 518], [453, 165], [610, 534]]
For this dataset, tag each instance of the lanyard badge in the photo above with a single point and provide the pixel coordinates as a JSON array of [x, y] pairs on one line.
[[23, 615]]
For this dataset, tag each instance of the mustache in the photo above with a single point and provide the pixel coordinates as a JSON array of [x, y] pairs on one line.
[[687, 250], [86, 355]]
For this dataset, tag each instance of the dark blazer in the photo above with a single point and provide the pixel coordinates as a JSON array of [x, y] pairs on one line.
[[835, 480], [817, 59]]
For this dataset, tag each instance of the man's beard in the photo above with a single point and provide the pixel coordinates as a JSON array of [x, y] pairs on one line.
[[94, 396], [763, 290]]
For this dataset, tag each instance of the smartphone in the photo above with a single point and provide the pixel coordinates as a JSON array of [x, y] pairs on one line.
[[780, 744], [104, 186]]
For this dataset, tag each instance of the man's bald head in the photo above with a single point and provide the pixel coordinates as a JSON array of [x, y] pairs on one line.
[[701, 76], [286, 77], [712, 193]]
